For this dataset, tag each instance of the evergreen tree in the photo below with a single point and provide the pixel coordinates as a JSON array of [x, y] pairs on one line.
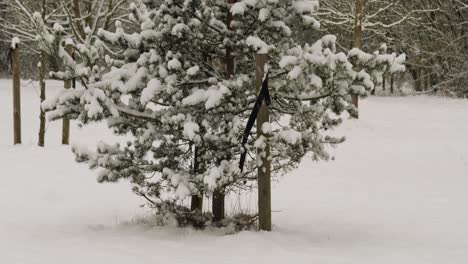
[[169, 86]]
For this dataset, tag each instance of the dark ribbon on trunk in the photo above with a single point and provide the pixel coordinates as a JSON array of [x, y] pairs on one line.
[[10, 59], [263, 97]]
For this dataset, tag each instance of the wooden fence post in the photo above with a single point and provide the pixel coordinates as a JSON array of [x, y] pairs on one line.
[[264, 171], [16, 70], [67, 85]]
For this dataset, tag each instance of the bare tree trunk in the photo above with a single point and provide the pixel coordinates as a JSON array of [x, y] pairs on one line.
[[383, 83], [356, 102], [358, 37], [427, 79], [432, 79], [79, 25], [197, 200], [218, 205], [66, 121], [392, 77], [418, 81], [108, 18], [264, 171], [197, 203], [42, 118], [358, 24], [42, 75], [89, 10], [16, 69]]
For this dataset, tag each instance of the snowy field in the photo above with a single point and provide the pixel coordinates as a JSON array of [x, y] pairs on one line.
[[397, 193]]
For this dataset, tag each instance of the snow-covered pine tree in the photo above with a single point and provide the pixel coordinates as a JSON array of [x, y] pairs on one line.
[[169, 88]]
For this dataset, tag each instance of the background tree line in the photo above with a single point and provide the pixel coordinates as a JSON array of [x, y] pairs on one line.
[[75, 16], [433, 33], [78, 20]]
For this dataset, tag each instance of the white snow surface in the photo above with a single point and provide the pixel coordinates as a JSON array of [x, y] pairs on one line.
[[396, 193]]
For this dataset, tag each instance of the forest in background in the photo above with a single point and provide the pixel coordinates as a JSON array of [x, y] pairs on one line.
[[432, 33]]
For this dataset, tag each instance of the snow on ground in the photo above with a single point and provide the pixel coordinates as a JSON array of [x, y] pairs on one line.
[[397, 193]]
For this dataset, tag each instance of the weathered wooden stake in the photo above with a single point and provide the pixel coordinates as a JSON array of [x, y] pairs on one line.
[[16, 70], [67, 85], [264, 171]]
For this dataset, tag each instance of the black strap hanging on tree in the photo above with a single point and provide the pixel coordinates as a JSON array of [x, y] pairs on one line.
[[263, 96], [10, 59], [74, 79]]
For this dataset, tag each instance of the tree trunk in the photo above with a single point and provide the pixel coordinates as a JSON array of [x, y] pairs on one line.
[[383, 83], [42, 76], [16, 69], [433, 80], [427, 79], [107, 22], [66, 121], [230, 62], [197, 203], [42, 118], [392, 90], [197, 200], [79, 22], [358, 37], [218, 196], [358, 24], [417, 80], [218, 205], [264, 173]]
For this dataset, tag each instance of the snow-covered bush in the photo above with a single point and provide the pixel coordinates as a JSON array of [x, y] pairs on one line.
[[171, 86]]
